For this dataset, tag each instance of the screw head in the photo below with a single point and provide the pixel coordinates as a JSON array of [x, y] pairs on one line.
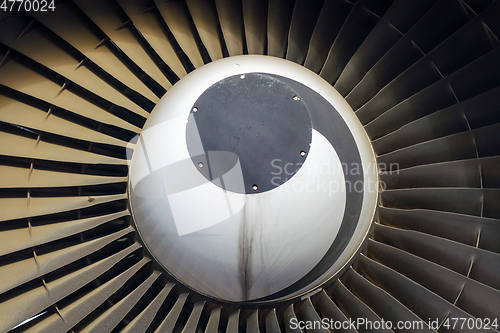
[[302, 153], [255, 188], [200, 165], [195, 109], [242, 76], [296, 98]]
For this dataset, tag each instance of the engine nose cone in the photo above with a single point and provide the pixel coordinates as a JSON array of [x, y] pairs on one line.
[[252, 181]]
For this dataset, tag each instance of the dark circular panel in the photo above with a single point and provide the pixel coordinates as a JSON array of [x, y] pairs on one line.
[[259, 119]]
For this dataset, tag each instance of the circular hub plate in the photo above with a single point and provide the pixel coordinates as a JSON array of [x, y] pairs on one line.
[[258, 118]]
